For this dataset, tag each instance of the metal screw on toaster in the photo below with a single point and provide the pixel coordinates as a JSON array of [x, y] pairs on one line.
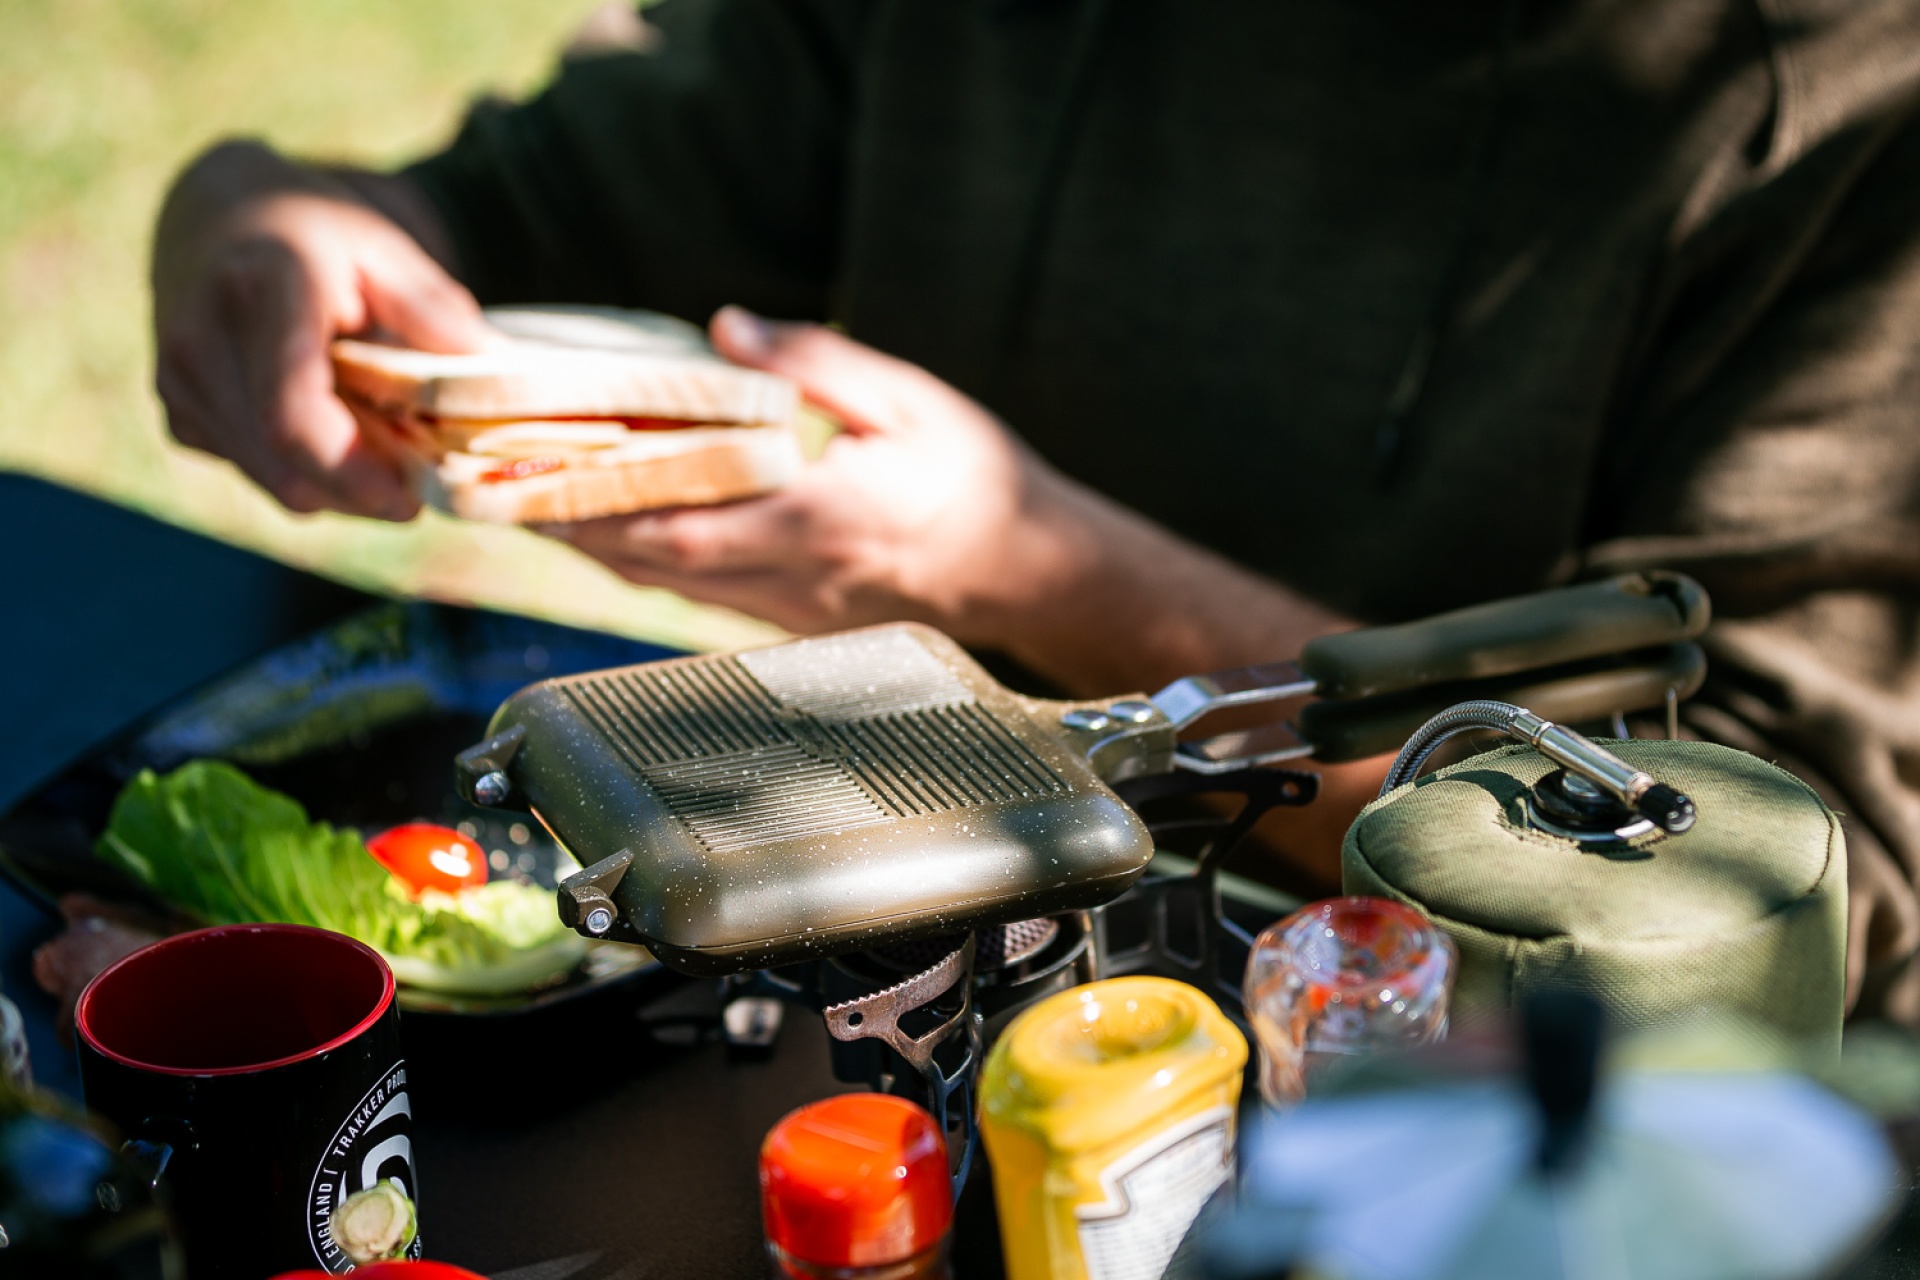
[[491, 789], [588, 908]]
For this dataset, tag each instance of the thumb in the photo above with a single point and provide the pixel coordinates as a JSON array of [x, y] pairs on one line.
[[868, 391], [411, 300]]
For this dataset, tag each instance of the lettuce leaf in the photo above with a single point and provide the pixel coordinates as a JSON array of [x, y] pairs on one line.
[[216, 844]]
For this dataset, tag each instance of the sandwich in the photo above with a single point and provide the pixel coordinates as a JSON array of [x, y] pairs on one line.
[[572, 414]]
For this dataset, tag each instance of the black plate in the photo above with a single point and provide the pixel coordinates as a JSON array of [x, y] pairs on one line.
[[359, 722]]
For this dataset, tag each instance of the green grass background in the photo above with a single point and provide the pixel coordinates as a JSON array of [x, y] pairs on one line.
[[101, 102]]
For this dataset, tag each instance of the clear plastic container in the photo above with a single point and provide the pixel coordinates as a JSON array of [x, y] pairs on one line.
[[1343, 977]]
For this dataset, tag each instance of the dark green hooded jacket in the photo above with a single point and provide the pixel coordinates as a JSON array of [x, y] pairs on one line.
[[1405, 303]]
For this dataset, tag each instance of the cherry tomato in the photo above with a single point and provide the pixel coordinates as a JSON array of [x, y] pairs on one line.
[[421, 856], [393, 1271]]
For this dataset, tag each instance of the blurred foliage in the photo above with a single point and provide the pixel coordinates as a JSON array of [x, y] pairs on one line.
[[101, 102]]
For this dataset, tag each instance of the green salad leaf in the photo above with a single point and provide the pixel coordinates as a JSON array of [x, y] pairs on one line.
[[218, 845]]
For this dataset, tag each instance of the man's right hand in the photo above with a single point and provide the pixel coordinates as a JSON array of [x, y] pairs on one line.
[[258, 265]]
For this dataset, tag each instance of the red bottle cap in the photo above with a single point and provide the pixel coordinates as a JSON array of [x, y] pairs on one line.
[[855, 1181]]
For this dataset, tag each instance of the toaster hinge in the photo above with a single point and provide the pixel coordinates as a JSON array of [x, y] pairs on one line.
[[1120, 739], [480, 772], [586, 900]]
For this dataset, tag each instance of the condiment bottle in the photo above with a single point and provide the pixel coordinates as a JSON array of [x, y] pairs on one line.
[[1343, 977], [1108, 1116], [857, 1187]]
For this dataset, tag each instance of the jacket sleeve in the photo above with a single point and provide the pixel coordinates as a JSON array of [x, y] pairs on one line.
[[707, 169], [1771, 448]]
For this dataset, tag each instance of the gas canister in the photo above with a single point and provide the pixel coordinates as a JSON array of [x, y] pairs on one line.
[[1662, 877]]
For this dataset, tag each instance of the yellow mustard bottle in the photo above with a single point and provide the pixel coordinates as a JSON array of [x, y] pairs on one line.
[[1108, 1116]]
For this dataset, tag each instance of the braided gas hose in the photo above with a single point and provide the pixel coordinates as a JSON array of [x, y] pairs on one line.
[[1638, 791], [1481, 713]]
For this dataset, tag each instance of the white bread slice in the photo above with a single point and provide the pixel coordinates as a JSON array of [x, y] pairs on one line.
[[610, 328], [650, 469], [521, 379]]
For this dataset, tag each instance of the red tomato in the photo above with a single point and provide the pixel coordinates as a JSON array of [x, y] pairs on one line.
[[421, 855], [393, 1271]]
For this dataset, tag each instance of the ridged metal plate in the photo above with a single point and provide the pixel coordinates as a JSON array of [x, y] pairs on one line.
[[868, 786]]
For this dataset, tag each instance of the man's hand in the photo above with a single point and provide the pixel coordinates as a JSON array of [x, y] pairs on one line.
[[914, 511], [258, 265], [926, 507]]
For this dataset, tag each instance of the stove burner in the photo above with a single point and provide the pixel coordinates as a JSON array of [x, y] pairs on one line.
[[1000, 947], [1011, 944], [915, 1018]]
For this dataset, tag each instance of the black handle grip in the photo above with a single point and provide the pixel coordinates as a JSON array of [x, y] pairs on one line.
[[1505, 637], [1579, 692]]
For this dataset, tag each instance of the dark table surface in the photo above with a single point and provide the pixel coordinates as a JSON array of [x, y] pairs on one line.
[[623, 1159]]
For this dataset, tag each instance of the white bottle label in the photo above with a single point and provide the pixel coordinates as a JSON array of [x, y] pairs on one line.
[[1153, 1194]]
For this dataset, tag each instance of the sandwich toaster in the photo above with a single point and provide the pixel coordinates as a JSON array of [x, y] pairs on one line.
[[827, 795]]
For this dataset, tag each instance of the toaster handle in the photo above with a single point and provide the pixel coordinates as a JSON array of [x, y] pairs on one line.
[[1506, 637], [1581, 652], [1576, 694]]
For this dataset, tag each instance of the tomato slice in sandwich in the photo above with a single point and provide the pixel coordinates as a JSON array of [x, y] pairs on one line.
[[521, 469], [630, 422]]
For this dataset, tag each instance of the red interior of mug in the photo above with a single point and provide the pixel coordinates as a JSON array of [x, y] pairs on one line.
[[235, 998]]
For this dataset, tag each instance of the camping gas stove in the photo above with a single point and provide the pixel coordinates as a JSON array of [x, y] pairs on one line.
[[870, 825], [915, 1018]]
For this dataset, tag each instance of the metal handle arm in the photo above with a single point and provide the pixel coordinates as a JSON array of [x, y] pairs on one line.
[[1187, 699]]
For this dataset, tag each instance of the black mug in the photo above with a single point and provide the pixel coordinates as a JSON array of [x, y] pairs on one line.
[[257, 1070]]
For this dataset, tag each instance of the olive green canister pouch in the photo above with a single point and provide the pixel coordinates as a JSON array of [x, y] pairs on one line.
[[1740, 906]]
